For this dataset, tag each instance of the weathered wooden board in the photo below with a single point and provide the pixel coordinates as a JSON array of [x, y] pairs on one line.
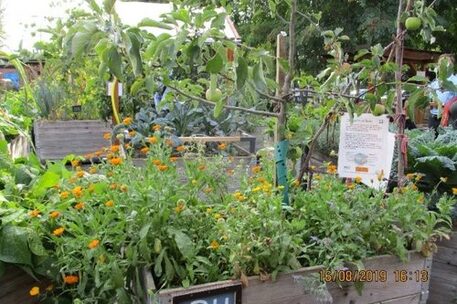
[[15, 285], [56, 139], [288, 290], [443, 284]]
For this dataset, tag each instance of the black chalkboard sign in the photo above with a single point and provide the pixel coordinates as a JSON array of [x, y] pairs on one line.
[[224, 295]]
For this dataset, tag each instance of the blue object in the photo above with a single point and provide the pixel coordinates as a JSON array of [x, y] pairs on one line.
[[14, 77], [281, 168], [443, 96]]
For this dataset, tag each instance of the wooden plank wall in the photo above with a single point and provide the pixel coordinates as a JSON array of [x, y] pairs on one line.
[[15, 285], [286, 289], [443, 285], [56, 139]]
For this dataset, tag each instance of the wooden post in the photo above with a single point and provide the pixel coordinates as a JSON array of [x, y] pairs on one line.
[[281, 54]]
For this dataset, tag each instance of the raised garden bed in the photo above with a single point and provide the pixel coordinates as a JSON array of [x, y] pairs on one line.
[[443, 285], [54, 140], [290, 289]]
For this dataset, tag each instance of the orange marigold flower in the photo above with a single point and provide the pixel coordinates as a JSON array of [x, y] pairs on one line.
[[256, 169], [109, 203], [115, 161], [127, 121], [80, 174], [80, 206], [152, 140], [201, 167], [454, 191], [71, 279], [58, 231], [156, 128], [144, 150], [173, 159], [156, 162], [93, 170], [222, 146], [124, 188], [113, 186], [107, 136], [162, 167], [64, 194], [93, 244], [180, 148], [34, 291], [75, 163], [114, 148], [34, 213], [77, 191], [331, 169], [54, 214], [214, 245]]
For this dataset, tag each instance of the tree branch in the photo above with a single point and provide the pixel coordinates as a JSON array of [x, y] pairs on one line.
[[213, 104]]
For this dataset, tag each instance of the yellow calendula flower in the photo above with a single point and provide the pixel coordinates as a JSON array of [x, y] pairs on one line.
[[256, 169], [217, 216], [64, 194], [92, 170], [162, 168], [109, 203], [156, 128], [58, 231], [144, 150], [156, 162], [214, 245], [256, 189], [77, 191], [54, 214], [75, 163], [80, 174], [34, 213], [71, 279], [350, 186], [115, 161], [173, 159], [358, 179], [34, 291], [80, 206], [152, 140], [107, 136], [93, 244], [114, 148], [222, 146], [331, 169], [132, 133], [180, 206], [127, 121], [180, 148], [454, 191]]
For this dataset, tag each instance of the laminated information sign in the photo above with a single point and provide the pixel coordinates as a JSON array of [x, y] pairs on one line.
[[366, 147]]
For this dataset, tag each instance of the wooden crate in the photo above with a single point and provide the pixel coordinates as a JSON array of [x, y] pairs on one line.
[[56, 139], [443, 285], [15, 285], [288, 290]]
